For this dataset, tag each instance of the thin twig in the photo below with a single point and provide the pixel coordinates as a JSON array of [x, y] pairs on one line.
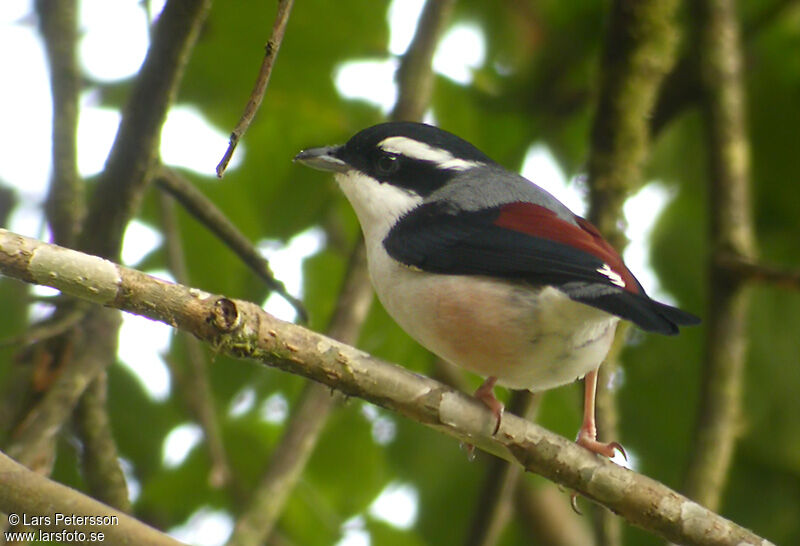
[[51, 327], [309, 417], [65, 204], [496, 498], [244, 330], [121, 186], [194, 385], [355, 298], [415, 74], [682, 85], [100, 459], [637, 52], [95, 344], [260, 88], [750, 270], [205, 211], [732, 232], [548, 519]]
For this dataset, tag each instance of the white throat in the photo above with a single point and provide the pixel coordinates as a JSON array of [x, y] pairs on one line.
[[377, 205]]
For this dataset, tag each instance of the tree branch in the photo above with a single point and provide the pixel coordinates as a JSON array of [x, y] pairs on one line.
[[114, 201], [257, 95], [637, 52], [495, 500], [208, 214], [25, 492], [731, 233], [65, 199], [193, 383], [135, 149], [91, 346], [682, 86], [100, 458], [548, 519], [414, 75], [243, 329], [302, 432], [308, 418], [749, 270]]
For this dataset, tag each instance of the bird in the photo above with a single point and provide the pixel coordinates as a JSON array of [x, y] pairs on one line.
[[486, 269]]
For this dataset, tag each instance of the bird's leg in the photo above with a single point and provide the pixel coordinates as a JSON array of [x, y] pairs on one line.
[[587, 436], [485, 394]]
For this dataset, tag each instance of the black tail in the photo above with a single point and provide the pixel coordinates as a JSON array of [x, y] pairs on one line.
[[648, 314]]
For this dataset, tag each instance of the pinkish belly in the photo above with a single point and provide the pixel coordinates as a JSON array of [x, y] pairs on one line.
[[527, 338]]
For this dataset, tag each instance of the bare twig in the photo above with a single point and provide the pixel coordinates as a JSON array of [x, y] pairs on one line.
[[731, 233], [194, 385], [257, 95], [637, 53], [65, 199], [747, 269], [133, 155], [242, 329], [302, 432], [309, 417], [93, 343], [100, 459], [415, 75], [682, 85], [51, 327], [496, 498], [25, 492], [215, 220], [286, 464], [548, 519], [542, 511]]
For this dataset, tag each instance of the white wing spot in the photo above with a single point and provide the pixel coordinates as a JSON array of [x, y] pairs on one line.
[[612, 275]]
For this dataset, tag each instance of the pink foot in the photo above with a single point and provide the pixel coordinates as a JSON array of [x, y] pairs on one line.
[[485, 394], [587, 436], [609, 449]]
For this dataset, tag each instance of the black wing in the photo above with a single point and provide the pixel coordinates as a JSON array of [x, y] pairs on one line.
[[541, 249]]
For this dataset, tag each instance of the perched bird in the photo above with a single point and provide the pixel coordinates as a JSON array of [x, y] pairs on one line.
[[486, 269]]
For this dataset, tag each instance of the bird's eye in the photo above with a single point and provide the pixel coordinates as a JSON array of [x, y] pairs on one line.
[[387, 164]]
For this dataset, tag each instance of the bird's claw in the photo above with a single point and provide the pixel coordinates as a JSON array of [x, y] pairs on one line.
[[609, 449], [573, 502]]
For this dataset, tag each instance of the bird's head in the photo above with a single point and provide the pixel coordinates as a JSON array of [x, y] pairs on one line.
[[388, 169]]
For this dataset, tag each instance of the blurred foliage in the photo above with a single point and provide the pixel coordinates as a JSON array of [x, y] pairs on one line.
[[537, 84]]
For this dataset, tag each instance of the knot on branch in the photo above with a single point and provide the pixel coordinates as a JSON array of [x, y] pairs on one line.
[[225, 315]]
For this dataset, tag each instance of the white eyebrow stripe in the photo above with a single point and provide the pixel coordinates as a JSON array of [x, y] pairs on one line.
[[456, 164], [419, 150]]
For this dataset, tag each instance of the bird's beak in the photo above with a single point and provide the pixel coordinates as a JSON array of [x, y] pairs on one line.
[[323, 159]]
